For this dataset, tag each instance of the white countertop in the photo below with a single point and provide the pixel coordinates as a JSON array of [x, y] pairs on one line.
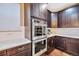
[[50, 35], [13, 43], [63, 35], [67, 36]]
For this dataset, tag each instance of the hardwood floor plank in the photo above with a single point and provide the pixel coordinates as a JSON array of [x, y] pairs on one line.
[[56, 52]]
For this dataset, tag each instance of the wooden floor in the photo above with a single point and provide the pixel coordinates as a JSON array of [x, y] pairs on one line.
[[57, 52]]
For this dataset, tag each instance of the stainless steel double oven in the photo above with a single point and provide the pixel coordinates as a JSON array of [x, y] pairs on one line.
[[39, 36]]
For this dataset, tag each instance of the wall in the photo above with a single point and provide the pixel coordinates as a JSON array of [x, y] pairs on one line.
[[9, 15], [10, 22], [70, 32]]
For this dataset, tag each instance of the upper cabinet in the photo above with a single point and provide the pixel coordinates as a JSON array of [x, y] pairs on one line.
[[35, 9], [54, 20], [39, 10], [69, 18], [49, 19], [43, 11]]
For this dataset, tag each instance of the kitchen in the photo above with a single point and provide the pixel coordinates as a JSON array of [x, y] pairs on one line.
[[39, 29]]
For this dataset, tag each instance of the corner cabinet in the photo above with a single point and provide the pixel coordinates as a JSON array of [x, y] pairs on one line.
[[52, 19], [69, 45]]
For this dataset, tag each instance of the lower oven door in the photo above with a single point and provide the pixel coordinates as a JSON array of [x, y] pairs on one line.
[[39, 47]]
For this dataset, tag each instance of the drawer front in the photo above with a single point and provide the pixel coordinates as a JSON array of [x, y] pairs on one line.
[[3, 53], [16, 50], [22, 53]]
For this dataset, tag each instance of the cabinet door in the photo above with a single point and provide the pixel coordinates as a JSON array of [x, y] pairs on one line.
[[49, 24], [3, 53], [50, 44], [72, 46], [68, 17], [54, 20], [35, 9], [60, 43], [77, 46], [42, 11], [24, 50]]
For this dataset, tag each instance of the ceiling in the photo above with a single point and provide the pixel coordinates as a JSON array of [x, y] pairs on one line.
[[55, 7]]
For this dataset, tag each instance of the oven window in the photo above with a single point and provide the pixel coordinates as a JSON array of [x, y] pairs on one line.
[[40, 46], [38, 30]]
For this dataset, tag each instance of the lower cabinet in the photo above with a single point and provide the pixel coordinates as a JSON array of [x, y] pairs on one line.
[[70, 45], [50, 44], [3, 53], [23, 53], [60, 43], [23, 50]]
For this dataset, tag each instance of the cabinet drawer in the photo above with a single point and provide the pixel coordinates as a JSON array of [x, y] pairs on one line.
[[23, 53], [16, 50], [3, 53]]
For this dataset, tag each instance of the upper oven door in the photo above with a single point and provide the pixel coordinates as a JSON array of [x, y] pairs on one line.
[[38, 29]]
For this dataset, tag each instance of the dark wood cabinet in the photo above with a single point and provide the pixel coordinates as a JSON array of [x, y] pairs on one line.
[[70, 45], [35, 9], [23, 50], [38, 10], [50, 44], [52, 19], [15, 50], [49, 23], [43, 11], [23, 53], [26, 52], [3, 53], [60, 43], [29, 49], [69, 18]]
